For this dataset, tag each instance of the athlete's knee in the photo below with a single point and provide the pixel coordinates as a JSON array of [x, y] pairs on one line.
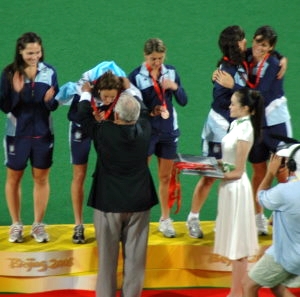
[[40, 176], [79, 177], [164, 178]]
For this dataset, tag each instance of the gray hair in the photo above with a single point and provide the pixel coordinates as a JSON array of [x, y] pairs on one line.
[[128, 108]]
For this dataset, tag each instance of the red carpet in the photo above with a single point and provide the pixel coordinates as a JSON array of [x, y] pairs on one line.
[[210, 292]]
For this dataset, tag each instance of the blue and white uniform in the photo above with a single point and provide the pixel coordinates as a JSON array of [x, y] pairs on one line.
[[277, 119], [29, 124], [165, 132], [218, 120], [80, 143]]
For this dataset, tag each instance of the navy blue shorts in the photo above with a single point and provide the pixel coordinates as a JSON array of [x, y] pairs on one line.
[[80, 146], [163, 146], [260, 152], [18, 150]]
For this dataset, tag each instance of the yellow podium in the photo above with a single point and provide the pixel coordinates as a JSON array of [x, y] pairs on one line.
[[30, 267]]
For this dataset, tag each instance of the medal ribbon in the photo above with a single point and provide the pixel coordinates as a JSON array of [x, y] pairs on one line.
[[159, 91], [111, 107], [109, 110], [175, 186], [249, 67]]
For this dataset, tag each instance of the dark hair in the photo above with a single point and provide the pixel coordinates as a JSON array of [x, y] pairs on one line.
[[266, 33], [107, 81], [254, 100], [228, 44], [18, 63], [154, 45]]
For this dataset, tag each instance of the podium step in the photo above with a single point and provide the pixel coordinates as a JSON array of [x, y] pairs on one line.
[[30, 267]]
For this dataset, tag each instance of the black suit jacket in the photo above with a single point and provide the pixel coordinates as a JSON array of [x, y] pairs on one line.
[[122, 181]]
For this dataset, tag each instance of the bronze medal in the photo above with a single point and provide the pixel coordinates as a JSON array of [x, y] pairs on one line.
[[165, 114]]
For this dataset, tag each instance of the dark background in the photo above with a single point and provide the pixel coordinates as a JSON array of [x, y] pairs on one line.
[[77, 35]]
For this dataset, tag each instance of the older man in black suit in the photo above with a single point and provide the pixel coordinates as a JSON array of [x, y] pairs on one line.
[[122, 192]]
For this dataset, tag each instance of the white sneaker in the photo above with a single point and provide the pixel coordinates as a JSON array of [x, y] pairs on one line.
[[166, 228], [16, 233], [193, 226], [39, 233], [261, 224]]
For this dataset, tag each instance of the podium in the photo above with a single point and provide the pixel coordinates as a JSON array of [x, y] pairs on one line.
[[179, 262]]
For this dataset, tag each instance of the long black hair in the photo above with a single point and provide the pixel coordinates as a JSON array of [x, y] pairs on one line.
[[254, 100], [18, 64], [228, 44]]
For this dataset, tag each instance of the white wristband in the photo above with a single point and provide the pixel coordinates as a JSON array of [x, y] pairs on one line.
[[86, 96]]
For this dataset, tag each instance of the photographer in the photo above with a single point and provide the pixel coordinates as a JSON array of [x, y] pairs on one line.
[[280, 265]]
